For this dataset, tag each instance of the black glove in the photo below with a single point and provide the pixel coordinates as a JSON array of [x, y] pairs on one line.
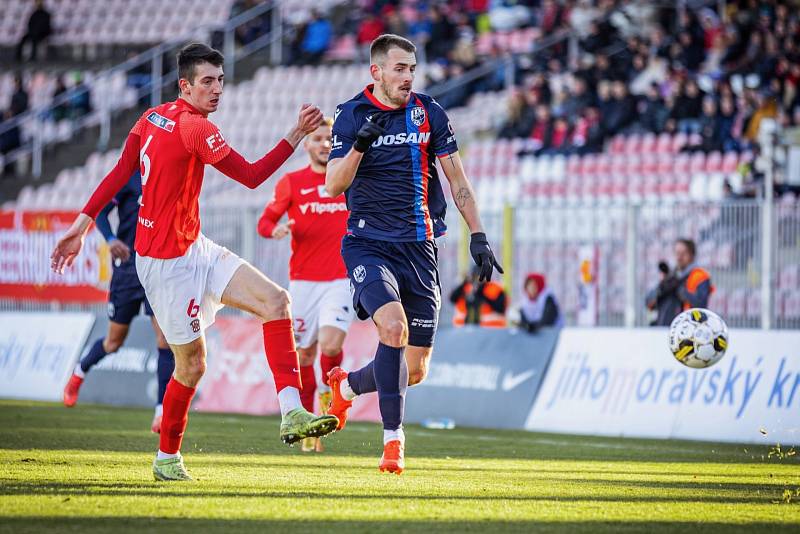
[[483, 256], [370, 131]]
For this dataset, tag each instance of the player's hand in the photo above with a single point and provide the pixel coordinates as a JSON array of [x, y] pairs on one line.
[[310, 118], [483, 256], [119, 250], [282, 230], [370, 131], [69, 246]]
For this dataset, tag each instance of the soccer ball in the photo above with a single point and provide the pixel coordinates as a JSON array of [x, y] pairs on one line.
[[698, 338]]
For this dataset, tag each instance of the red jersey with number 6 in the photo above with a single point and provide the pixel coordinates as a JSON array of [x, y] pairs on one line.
[[176, 142], [320, 223]]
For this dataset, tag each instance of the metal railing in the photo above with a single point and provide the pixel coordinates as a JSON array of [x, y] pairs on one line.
[[145, 80], [620, 246]]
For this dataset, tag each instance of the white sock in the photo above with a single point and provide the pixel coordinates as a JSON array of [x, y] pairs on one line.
[[78, 371], [165, 455], [391, 435], [289, 399], [159, 410], [346, 390]]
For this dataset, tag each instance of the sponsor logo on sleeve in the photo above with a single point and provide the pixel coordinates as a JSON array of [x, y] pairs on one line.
[[161, 121], [215, 141]]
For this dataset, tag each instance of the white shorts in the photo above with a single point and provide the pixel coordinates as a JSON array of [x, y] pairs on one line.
[[318, 304], [186, 292]]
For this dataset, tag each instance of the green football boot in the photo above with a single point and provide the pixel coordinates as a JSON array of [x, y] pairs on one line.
[[299, 424], [170, 469]]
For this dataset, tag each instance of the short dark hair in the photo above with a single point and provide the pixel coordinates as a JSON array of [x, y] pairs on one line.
[[689, 244], [194, 54], [383, 43]]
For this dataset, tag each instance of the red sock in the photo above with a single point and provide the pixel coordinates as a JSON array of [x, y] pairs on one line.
[[329, 362], [176, 414], [281, 353], [309, 387]]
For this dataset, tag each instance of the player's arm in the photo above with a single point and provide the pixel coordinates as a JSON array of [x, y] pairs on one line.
[[341, 171], [464, 197], [268, 226], [117, 248], [233, 165], [70, 244]]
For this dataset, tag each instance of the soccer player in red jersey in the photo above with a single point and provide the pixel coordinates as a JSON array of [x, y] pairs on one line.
[[321, 302], [187, 277]]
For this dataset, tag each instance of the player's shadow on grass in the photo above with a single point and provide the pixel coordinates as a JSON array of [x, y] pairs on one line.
[[767, 492], [204, 525]]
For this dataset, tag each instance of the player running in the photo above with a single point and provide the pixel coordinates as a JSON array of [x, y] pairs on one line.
[[385, 143], [125, 298], [321, 301], [187, 277]]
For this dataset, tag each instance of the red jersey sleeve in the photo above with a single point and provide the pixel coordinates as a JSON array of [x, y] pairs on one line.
[[254, 174], [117, 178], [281, 199], [202, 138]]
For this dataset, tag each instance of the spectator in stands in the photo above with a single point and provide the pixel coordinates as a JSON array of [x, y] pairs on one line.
[[316, 40], [61, 111], [653, 111], [10, 140], [517, 123], [81, 102], [369, 29], [688, 107], [443, 34], [19, 99], [588, 135], [541, 134], [480, 303], [539, 304], [688, 286], [622, 109], [39, 29]]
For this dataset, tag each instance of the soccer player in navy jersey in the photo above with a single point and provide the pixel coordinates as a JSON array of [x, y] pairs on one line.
[[385, 144], [125, 298]]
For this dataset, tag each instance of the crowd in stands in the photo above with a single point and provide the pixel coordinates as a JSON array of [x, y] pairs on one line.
[[655, 69]]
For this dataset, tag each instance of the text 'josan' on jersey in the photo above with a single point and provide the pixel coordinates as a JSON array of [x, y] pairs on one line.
[[396, 194]]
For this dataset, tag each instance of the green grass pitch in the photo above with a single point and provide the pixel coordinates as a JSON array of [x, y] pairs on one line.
[[88, 470]]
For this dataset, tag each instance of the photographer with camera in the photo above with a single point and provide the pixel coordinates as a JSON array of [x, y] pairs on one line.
[[688, 286]]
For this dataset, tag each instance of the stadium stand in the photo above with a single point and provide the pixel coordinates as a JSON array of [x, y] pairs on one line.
[[80, 22]]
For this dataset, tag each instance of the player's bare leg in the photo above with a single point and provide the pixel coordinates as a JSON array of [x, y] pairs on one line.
[[115, 337], [190, 365], [418, 360], [251, 291], [166, 366]]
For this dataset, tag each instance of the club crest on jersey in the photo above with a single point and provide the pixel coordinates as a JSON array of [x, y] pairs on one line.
[[359, 274], [161, 121], [418, 115]]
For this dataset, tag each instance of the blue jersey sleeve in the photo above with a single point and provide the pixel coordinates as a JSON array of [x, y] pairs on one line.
[[444, 138], [102, 221], [343, 133]]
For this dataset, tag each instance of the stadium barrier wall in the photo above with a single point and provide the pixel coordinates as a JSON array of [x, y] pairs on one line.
[[620, 382], [482, 377], [128, 376], [38, 352]]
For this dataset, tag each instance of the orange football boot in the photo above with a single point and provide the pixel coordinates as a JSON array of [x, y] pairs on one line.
[[71, 390], [339, 405], [392, 459]]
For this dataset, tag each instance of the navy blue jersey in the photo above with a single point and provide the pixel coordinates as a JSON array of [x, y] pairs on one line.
[[396, 194], [127, 204]]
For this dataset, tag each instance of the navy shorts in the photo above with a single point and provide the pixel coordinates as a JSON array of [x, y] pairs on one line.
[[125, 298], [407, 272]]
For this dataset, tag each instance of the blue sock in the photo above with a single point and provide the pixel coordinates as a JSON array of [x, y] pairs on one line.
[[166, 366], [93, 357], [363, 380], [391, 377]]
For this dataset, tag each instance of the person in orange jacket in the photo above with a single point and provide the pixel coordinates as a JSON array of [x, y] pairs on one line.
[[688, 286], [481, 303]]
